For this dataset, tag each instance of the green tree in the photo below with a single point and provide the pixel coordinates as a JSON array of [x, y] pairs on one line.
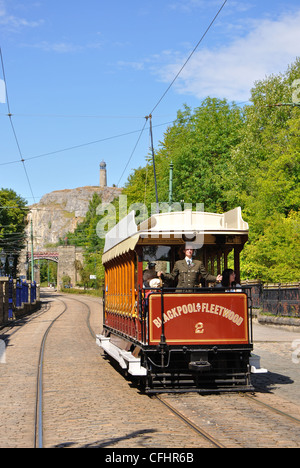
[[13, 213], [224, 157], [274, 255], [86, 236], [265, 175], [199, 144]]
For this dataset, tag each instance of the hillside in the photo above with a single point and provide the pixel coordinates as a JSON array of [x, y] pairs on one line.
[[61, 211]]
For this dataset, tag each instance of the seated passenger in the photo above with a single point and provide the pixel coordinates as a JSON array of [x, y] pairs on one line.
[[228, 280], [148, 275], [154, 284]]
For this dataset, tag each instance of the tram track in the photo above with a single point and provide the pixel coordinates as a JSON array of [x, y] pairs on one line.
[[271, 408], [201, 432], [38, 420], [70, 397], [88, 324], [235, 421]]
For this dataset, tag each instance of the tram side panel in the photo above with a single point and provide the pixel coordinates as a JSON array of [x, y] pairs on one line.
[[207, 335], [198, 319], [121, 310]]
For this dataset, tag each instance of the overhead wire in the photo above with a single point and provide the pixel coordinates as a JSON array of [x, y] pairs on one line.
[[134, 149], [189, 58], [81, 145], [77, 116], [23, 160], [13, 127], [149, 117]]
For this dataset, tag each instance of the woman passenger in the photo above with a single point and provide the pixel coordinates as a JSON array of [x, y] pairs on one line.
[[228, 280]]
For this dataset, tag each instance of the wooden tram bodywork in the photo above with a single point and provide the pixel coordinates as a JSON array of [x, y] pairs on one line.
[[177, 340]]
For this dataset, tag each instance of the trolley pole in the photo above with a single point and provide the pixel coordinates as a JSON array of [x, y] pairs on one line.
[[153, 160], [171, 186]]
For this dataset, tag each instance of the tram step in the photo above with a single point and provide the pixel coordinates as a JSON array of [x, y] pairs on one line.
[[125, 358]]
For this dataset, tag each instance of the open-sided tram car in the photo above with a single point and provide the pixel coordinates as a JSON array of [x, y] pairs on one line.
[[177, 340]]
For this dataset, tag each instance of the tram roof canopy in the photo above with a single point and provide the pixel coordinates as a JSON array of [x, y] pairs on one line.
[[186, 224]]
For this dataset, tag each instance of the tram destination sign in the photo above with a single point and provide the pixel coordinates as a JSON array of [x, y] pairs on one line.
[[199, 318]]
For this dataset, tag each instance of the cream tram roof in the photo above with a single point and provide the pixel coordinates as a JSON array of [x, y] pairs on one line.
[[173, 226]]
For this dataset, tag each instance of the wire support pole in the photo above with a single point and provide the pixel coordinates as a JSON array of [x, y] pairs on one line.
[[149, 117]]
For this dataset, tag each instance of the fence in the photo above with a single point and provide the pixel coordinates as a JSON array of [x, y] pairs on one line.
[[278, 299], [17, 298]]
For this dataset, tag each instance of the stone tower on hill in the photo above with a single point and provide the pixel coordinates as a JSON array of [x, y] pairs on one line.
[[60, 212], [103, 175]]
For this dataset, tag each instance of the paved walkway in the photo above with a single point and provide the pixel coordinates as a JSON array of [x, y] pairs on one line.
[[280, 354]]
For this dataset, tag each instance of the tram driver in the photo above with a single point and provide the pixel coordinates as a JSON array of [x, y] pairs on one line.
[[189, 272]]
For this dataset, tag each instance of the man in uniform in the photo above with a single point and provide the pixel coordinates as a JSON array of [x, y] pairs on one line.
[[189, 272]]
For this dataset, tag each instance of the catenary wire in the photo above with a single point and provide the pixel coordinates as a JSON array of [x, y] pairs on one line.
[[177, 75], [134, 149], [189, 57], [12, 126], [82, 145]]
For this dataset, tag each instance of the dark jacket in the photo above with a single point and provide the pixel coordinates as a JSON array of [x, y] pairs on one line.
[[189, 276]]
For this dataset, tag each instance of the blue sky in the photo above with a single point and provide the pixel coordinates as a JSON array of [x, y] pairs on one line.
[[80, 73]]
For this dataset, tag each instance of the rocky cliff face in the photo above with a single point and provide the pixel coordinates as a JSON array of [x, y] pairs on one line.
[[60, 212]]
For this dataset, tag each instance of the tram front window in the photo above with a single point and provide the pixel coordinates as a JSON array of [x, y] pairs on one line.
[[157, 257]]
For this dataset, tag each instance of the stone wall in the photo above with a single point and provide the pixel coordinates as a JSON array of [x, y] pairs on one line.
[[69, 256], [10, 306]]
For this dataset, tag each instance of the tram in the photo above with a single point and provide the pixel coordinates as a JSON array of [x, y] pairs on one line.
[[167, 338]]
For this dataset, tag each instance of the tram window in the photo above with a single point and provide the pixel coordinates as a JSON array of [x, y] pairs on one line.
[[152, 253], [160, 255]]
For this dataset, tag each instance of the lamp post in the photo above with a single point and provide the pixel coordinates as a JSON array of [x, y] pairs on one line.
[[11, 260], [3, 261], [10, 287]]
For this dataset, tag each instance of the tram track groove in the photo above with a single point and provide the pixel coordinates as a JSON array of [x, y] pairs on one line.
[[261, 419], [93, 334], [38, 419], [238, 422], [190, 424], [271, 408]]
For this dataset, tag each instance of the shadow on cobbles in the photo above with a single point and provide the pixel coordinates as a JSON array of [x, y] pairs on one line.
[[266, 383], [111, 441]]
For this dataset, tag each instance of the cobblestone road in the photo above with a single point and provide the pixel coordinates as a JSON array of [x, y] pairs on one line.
[[87, 403], [279, 350]]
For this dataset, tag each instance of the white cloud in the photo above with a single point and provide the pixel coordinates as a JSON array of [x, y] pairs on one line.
[[231, 70], [190, 5], [63, 47], [13, 22]]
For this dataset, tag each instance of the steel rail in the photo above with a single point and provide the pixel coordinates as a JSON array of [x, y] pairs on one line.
[[88, 323], [38, 425], [271, 408], [189, 423], [38, 419]]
